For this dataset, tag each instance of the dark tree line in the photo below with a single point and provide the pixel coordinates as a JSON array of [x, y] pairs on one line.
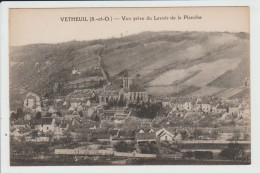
[[149, 148], [116, 103], [148, 110], [234, 151], [124, 146]]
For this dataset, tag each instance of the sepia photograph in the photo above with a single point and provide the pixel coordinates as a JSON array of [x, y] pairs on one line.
[[129, 86]]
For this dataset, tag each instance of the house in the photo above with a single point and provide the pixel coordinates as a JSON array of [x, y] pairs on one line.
[[221, 109], [164, 135], [243, 113], [88, 103], [142, 138], [38, 109], [188, 105], [45, 125], [31, 100], [179, 106], [206, 107], [42, 139], [28, 116], [151, 131], [75, 103], [52, 110], [198, 104], [58, 99], [91, 111], [80, 108], [178, 138], [141, 131], [233, 110], [166, 102], [108, 115], [93, 128], [71, 109], [119, 117]]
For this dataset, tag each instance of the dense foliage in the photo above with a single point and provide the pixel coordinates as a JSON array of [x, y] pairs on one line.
[[19, 114], [148, 110], [124, 147], [234, 151], [115, 103], [149, 148]]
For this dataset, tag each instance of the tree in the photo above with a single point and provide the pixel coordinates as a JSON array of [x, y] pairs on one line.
[[48, 114], [59, 114], [80, 114], [138, 100], [38, 115], [20, 113], [149, 148], [197, 133], [67, 137], [184, 135], [13, 116], [97, 119], [22, 139], [124, 147], [246, 136], [50, 135], [214, 135], [121, 102], [83, 137], [234, 151], [236, 136]]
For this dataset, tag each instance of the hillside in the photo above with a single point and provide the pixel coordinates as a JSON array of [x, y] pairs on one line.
[[169, 63]]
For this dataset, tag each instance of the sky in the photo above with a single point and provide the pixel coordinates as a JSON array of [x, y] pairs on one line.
[[30, 26]]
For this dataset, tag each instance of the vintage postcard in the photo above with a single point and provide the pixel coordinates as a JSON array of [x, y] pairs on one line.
[[129, 86]]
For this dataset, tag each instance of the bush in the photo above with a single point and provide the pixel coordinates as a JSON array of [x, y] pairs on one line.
[[124, 146], [149, 148], [234, 151]]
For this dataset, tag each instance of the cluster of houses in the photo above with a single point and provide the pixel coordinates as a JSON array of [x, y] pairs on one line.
[[207, 105], [76, 111], [85, 102]]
